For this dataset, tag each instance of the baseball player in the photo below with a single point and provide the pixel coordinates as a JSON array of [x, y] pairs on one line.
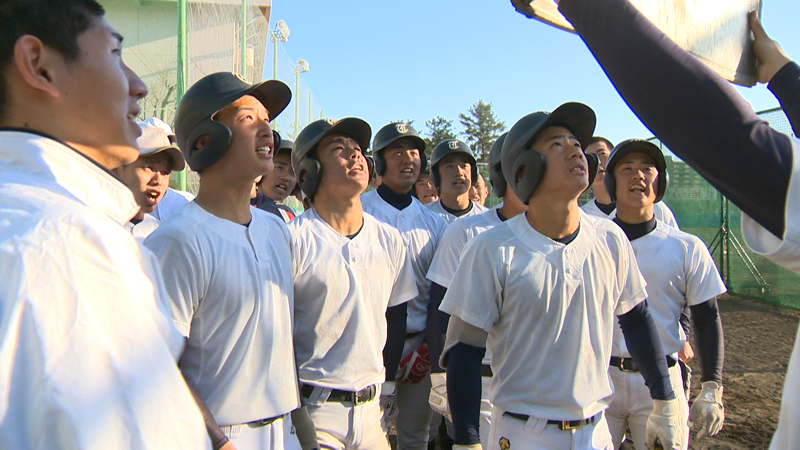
[[444, 265], [679, 271], [88, 348], [424, 190], [399, 155], [720, 136], [601, 205], [546, 286], [478, 192], [454, 170], [352, 282], [148, 176], [281, 182], [228, 267]]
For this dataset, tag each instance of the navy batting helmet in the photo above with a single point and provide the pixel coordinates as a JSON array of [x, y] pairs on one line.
[[640, 146], [517, 156], [390, 133], [496, 178], [451, 147], [196, 110], [307, 168]]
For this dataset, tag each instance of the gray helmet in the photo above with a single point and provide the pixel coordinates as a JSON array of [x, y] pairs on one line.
[[390, 133], [631, 146], [517, 157], [307, 168], [496, 178], [195, 116], [449, 147]]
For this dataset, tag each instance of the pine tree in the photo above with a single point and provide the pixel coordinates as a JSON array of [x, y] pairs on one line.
[[481, 128]]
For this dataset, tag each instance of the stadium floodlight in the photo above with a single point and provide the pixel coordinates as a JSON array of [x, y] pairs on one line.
[[302, 65], [282, 32]]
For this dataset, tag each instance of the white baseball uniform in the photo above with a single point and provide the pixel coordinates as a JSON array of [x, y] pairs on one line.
[[660, 210], [786, 253], [232, 297], [421, 230], [173, 199], [443, 267], [678, 269], [88, 349], [550, 309], [343, 287], [449, 217], [142, 229]]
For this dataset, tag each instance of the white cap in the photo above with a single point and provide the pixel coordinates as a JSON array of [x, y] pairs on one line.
[[157, 137]]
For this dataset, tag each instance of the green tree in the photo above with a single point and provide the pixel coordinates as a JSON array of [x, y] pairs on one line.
[[439, 129], [481, 128]]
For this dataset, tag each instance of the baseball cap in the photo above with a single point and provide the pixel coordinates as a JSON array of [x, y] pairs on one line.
[[158, 137]]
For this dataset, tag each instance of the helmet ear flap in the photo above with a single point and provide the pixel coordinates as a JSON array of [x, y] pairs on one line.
[[498, 181], [663, 182], [593, 165], [309, 173], [528, 170], [372, 164], [219, 140], [423, 158], [435, 176], [378, 164]]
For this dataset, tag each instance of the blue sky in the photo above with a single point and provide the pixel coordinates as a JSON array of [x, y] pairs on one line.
[[417, 59]]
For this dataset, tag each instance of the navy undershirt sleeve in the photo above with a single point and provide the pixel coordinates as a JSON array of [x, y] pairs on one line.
[[395, 339], [464, 391], [684, 320], [709, 340], [643, 343], [785, 86], [694, 112], [436, 327]]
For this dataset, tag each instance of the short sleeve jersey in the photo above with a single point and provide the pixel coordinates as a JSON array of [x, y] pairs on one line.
[[660, 210], [421, 230], [786, 253], [342, 289], [449, 218], [454, 240], [232, 296], [549, 310], [678, 270]]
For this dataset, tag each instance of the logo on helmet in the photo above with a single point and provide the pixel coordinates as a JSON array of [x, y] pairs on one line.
[[401, 128], [330, 121], [453, 145], [241, 78]]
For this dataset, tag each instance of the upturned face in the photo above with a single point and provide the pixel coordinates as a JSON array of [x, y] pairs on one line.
[[101, 94], [425, 190], [455, 171], [344, 167], [636, 175], [602, 151], [478, 192], [566, 171], [148, 178], [279, 183], [250, 152], [403, 164]]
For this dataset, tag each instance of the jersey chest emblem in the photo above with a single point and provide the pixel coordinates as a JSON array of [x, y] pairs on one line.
[[505, 444]]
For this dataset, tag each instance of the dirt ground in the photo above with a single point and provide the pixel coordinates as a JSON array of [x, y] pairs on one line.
[[758, 343]]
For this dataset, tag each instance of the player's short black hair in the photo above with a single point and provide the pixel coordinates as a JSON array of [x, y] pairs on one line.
[[596, 139], [57, 23]]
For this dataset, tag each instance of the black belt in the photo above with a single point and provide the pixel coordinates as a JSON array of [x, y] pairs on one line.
[[356, 398], [486, 370], [562, 424], [263, 422], [628, 365]]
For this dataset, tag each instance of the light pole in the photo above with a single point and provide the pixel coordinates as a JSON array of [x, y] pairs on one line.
[[302, 66], [280, 33]]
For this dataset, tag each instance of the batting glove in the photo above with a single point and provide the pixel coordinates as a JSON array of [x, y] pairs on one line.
[[664, 425], [438, 396], [707, 410], [388, 403], [467, 447]]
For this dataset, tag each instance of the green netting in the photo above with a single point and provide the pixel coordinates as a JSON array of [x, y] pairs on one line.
[[703, 211]]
